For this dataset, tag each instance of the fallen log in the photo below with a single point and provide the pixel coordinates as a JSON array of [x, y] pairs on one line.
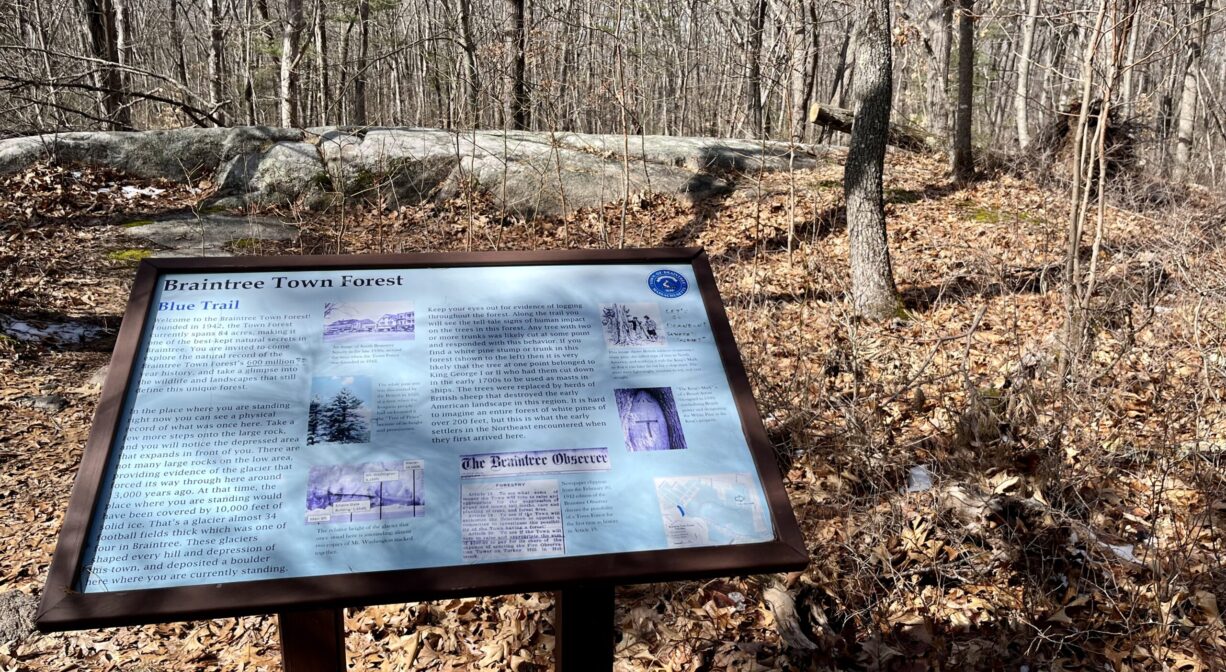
[[903, 136]]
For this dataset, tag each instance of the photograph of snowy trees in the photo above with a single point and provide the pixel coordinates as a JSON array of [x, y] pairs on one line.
[[339, 411], [649, 419], [632, 325], [351, 493]]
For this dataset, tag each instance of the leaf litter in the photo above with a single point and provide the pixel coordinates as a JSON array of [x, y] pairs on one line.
[[963, 508]]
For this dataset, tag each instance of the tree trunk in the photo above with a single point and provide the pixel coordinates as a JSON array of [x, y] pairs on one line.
[[519, 66], [757, 19], [799, 57], [473, 85], [104, 41], [177, 43], [215, 62], [873, 292], [1021, 100], [1197, 25], [289, 62], [321, 55], [359, 77], [962, 161]]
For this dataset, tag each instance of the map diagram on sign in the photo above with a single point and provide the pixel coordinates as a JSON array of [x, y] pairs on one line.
[[712, 510]]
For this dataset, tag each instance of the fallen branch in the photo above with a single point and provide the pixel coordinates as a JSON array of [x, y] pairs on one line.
[[903, 136]]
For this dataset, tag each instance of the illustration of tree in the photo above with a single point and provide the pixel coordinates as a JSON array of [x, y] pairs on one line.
[[346, 424], [616, 321], [316, 426]]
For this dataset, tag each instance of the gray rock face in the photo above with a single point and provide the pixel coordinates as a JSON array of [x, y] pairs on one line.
[[16, 616], [50, 403], [182, 155], [546, 173], [206, 235]]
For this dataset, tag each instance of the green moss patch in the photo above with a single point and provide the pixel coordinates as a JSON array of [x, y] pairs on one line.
[[133, 255]]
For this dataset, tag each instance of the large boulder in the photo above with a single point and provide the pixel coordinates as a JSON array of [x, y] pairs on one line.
[[182, 155], [525, 172]]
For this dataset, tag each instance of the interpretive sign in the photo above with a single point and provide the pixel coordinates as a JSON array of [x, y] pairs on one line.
[[313, 432]]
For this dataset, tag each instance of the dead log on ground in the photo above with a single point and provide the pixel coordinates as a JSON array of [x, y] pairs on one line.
[[903, 136]]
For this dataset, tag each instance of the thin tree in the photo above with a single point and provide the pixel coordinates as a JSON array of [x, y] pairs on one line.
[[1021, 99], [359, 77], [872, 276], [519, 66], [290, 32], [1197, 30], [472, 83], [962, 161], [215, 62]]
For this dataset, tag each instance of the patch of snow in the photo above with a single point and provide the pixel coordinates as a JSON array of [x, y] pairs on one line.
[[102, 190], [130, 191], [919, 478], [1124, 552], [62, 332]]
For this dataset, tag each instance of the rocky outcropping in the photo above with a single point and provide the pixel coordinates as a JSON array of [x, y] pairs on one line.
[[546, 173]]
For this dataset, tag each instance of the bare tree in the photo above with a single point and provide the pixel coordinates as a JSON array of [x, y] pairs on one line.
[[1022, 99], [359, 77], [872, 276], [962, 161], [322, 64], [1197, 29], [473, 82], [757, 23], [215, 60], [101, 21], [290, 34], [519, 66]]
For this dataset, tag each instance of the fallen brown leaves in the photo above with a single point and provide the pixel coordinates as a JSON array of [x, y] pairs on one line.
[[1071, 525]]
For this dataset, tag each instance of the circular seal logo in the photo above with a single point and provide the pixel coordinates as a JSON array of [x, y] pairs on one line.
[[668, 284]]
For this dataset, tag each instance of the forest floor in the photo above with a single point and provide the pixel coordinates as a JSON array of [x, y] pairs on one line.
[[964, 509]]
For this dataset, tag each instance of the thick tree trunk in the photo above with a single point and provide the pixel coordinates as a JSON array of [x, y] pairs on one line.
[[519, 66], [757, 22], [962, 163], [873, 292], [104, 41], [1197, 30], [289, 62], [1021, 99]]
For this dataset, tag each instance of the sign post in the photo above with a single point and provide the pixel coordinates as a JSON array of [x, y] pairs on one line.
[[296, 435]]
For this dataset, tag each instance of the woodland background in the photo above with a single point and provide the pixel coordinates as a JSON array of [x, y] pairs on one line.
[[722, 68]]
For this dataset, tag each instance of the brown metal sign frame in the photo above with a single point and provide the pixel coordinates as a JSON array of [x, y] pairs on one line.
[[64, 608]]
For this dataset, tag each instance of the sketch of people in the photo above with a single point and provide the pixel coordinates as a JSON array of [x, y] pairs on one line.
[[633, 325]]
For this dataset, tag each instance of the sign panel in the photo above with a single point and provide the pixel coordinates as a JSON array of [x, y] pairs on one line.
[[290, 431]]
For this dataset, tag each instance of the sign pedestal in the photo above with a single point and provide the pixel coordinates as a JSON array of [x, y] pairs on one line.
[[312, 641], [583, 622]]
